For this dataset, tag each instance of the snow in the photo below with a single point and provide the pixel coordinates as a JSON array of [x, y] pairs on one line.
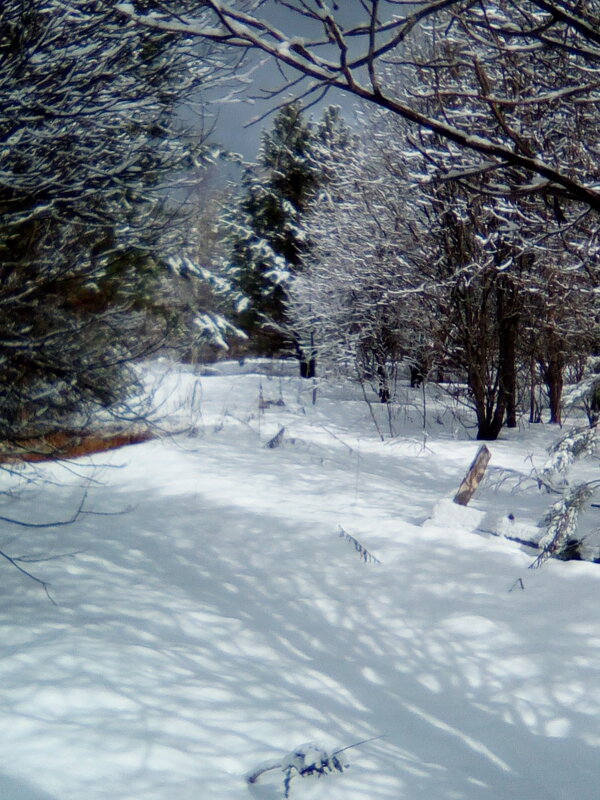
[[208, 618]]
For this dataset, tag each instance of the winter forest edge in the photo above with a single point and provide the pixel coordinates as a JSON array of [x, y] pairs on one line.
[[409, 265]]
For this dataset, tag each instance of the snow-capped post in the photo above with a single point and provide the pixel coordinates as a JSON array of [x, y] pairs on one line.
[[472, 479]]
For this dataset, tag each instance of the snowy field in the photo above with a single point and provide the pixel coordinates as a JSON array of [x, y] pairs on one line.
[[208, 617]]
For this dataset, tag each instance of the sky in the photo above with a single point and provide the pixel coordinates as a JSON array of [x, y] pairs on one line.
[[235, 130], [233, 120]]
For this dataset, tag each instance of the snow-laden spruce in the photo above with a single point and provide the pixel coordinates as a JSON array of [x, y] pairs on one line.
[[265, 233]]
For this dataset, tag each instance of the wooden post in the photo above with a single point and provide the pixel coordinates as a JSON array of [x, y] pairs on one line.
[[473, 477]]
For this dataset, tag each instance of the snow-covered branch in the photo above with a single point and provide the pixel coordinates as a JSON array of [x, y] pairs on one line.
[[546, 30]]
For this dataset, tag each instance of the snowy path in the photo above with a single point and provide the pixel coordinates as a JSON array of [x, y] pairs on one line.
[[222, 622]]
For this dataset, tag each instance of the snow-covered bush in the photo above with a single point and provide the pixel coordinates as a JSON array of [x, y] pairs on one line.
[[307, 760], [574, 444], [561, 524]]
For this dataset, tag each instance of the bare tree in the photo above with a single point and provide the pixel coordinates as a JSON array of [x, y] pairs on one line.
[[348, 48], [355, 291], [408, 259]]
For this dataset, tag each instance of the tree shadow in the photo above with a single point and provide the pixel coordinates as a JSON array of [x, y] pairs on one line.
[[19, 789], [203, 633]]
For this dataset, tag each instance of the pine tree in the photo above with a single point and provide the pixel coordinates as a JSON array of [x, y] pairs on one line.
[[89, 146], [266, 233]]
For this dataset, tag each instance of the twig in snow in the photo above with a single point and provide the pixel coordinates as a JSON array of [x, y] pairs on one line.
[[16, 561], [58, 524], [367, 557], [62, 522], [337, 438], [277, 439], [505, 473], [371, 412], [254, 776], [40, 559]]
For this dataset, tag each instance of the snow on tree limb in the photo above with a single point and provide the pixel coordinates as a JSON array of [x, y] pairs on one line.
[[382, 34], [89, 145], [561, 523]]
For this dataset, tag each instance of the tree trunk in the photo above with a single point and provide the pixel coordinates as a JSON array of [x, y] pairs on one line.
[[490, 415], [555, 387], [487, 421], [553, 376], [308, 361], [508, 325], [489, 430], [308, 368], [383, 381], [499, 402], [535, 414]]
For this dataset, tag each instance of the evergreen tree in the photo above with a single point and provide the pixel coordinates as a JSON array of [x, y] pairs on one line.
[[266, 233], [89, 146]]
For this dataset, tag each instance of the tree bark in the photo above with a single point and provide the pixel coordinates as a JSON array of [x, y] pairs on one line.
[[308, 361], [498, 403], [308, 368], [553, 376], [508, 325]]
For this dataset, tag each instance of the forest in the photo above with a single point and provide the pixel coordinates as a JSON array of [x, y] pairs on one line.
[[446, 230], [243, 552]]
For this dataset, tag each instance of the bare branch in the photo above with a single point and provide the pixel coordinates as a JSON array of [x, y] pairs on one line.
[[245, 30]]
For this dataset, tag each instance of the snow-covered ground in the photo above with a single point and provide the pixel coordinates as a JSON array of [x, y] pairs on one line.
[[208, 616]]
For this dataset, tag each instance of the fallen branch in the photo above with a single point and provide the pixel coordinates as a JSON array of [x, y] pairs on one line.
[[16, 561], [277, 439], [367, 557], [57, 524]]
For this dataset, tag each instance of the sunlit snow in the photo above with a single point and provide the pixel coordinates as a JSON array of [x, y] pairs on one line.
[[208, 618]]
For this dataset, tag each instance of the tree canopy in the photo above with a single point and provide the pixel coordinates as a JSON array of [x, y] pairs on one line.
[[90, 145], [348, 48]]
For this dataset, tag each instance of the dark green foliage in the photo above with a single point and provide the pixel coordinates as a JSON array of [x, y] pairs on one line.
[[266, 236], [86, 142], [266, 231]]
